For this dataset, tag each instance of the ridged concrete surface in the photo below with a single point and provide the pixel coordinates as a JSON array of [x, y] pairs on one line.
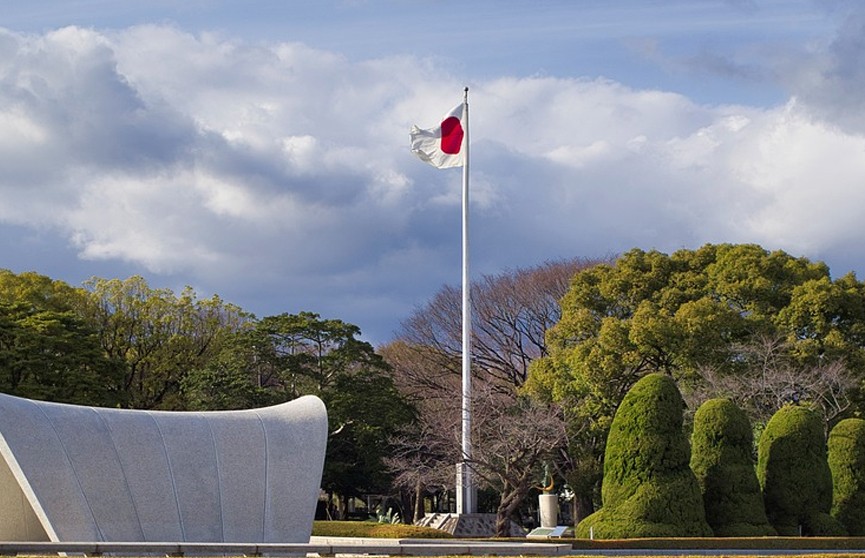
[[75, 473]]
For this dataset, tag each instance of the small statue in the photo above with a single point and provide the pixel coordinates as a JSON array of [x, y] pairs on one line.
[[547, 482]]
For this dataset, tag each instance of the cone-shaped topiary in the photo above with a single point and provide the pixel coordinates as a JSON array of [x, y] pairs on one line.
[[794, 473], [648, 488], [721, 459], [847, 464]]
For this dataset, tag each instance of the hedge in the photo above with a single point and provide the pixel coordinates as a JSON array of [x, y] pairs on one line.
[[648, 487], [794, 474], [721, 458], [847, 465]]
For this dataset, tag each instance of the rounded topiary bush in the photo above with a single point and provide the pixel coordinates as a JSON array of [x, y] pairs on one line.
[[721, 459], [648, 488], [847, 465], [793, 471]]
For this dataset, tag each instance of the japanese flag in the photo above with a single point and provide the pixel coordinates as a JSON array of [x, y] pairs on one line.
[[441, 146]]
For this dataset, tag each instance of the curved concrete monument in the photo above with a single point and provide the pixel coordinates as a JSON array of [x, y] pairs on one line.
[[71, 473]]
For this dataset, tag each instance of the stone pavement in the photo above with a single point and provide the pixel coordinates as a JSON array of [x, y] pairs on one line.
[[439, 547], [321, 546]]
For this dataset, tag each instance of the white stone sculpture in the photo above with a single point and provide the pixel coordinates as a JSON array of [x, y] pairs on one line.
[[74, 473]]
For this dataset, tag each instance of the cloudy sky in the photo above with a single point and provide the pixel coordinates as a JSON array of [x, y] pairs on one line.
[[258, 150]]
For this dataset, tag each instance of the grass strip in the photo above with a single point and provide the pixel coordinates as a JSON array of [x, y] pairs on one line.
[[732, 543], [375, 530]]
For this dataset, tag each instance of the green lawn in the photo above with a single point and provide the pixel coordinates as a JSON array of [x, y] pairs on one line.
[[376, 530]]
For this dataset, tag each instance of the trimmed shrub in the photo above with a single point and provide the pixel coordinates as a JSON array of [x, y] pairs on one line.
[[793, 471], [847, 465], [648, 488], [721, 459]]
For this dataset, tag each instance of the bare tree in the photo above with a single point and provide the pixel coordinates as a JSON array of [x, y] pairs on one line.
[[511, 313], [772, 378], [424, 457], [513, 438], [423, 460]]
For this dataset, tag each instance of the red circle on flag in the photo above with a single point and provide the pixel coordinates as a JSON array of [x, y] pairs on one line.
[[452, 135]]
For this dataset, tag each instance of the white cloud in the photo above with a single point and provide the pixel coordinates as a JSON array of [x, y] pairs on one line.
[[285, 170]]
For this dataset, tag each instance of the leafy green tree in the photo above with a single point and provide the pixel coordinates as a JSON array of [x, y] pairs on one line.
[[794, 474], [648, 488], [232, 379], [721, 458], [683, 314], [159, 336], [847, 464], [47, 351], [365, 412], [279, 358], [312, 353]]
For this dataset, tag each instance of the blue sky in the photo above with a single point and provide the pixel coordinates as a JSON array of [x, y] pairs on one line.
[[259, 150]]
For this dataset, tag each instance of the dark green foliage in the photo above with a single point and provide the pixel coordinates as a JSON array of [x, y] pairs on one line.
[[721, 459], [794, 473], [648, 488], [47, 350], [847, 464], [299, 354]]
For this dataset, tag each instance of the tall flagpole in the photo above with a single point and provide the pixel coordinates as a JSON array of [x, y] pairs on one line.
[[466, 504]]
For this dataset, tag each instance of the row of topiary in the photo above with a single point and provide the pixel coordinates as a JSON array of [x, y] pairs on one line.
[[657, 485]]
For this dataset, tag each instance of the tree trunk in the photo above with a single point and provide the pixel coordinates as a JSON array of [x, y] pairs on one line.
[[508, 505], [342, 502], [582, 507], [331, 510], [418, 502]]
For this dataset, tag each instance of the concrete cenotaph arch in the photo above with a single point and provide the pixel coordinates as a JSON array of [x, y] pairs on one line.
[[71, 473]]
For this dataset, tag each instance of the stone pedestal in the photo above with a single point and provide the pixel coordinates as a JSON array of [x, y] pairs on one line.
[[549, 507]]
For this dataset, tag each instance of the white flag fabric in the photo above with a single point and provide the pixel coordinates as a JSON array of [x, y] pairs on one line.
[[442, 146]]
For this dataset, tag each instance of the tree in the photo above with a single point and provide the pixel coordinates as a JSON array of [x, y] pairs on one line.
[[794, 474], [424, 455], [772, 377], [233, 379], [684, 314], [847, 463], [47, 351], [648, 488], [279, 358], [721, 458], [512, 439], [511, 312], [158, 336]]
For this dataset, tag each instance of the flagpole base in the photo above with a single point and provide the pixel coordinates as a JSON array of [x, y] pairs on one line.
[[467, 494]]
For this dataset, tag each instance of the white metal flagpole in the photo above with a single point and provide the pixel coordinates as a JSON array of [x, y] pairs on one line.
[[466, 504]]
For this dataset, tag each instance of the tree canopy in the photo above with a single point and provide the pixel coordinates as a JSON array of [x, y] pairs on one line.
[[685, 314], [47, 349]]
